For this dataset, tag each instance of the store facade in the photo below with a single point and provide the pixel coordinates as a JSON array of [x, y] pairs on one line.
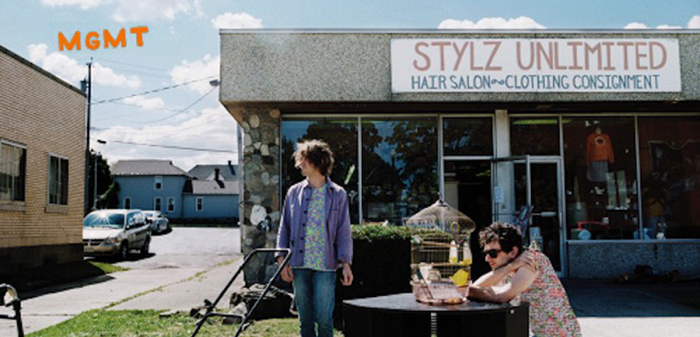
[[597, 131]]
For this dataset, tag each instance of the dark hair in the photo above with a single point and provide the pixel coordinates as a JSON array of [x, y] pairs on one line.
[[317, 153], [506, 234]]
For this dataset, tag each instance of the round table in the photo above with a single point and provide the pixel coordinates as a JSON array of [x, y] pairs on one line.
[[402, 315]]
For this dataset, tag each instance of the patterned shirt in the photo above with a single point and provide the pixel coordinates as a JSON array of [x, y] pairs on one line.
[[550, 311], [315, 242]]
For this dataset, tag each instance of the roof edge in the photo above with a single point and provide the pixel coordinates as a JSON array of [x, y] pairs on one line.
[[448, 31], [41, 70]]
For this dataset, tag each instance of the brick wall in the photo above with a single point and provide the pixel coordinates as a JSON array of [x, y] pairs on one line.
[[47, 116]]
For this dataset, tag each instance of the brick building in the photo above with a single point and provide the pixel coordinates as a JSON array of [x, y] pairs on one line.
[[42, 163]]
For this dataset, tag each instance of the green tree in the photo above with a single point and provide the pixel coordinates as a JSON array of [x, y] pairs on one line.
[[104, 183]]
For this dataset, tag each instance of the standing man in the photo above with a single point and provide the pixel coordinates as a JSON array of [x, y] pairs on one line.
[[315, 225], [527, 276]]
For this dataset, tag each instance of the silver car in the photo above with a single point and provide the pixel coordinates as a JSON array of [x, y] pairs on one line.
[[159, 222], [115, 232]]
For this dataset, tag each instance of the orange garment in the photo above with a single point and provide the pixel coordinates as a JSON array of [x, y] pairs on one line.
[[599, 148]]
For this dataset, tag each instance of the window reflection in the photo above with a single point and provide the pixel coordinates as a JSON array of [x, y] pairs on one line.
[[670, 168], [399, 162], [468, 136], [601, 192], [534, 136], [341, 135]]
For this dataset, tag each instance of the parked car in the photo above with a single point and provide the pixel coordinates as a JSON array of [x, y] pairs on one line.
[[159, 222], [115, 232]]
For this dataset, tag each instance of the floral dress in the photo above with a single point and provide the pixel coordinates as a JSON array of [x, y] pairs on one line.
[[550, 311]]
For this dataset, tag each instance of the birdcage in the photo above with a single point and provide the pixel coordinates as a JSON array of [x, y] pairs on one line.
[[440, 256]]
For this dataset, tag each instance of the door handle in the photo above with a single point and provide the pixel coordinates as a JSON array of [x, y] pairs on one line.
[[546, 214]]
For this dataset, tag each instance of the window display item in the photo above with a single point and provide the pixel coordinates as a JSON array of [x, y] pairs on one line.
[[599, 152]]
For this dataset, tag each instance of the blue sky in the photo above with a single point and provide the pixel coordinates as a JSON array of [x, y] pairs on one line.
[[182, 45]]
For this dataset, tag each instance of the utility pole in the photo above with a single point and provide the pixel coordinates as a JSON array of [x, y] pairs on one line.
[[87, 85]]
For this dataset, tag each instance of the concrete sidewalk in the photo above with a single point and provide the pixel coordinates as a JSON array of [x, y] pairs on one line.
[[167, 288], [606, 309]]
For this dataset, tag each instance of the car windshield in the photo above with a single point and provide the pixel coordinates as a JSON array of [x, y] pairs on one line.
[[109, 220]]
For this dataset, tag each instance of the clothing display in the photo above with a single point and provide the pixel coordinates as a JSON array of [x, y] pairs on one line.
[[599, 153]]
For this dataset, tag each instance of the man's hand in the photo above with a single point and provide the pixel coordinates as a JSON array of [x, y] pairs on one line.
[[524, 260], [347, 275], [287, 274]]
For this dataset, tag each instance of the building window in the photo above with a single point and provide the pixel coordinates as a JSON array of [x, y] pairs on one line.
[[669, 152], [157, 204], [159, 182], [467, 136], [534, 136], [58, 180], [171, 204], [127, 202], [13, 167], [200, 204], [341, 135], [601, 178]]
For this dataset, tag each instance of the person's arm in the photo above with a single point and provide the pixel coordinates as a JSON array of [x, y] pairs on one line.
[[344, 241], [494, 277], [283, 235], [501, 294]]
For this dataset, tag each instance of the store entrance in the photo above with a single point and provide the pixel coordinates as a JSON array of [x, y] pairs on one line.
[[536, 187], [468, 188]]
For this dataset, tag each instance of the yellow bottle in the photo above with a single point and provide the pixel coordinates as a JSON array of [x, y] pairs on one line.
[[453, 252], [466, 254]]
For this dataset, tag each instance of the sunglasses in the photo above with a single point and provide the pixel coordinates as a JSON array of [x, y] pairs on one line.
[[492, 252]]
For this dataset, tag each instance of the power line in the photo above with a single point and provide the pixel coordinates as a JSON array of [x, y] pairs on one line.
[[183, 110], [150, 91], [171, 146], [132, 64]]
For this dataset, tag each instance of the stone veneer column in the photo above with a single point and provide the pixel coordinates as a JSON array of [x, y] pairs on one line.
[[261, 188]]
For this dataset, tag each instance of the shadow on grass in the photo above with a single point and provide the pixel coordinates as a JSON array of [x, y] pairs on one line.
[[41, 281]]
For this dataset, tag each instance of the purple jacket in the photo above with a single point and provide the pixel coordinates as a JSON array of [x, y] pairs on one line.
[[293, 224]]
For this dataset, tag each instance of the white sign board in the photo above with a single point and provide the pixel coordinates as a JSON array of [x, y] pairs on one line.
[[535, 65]]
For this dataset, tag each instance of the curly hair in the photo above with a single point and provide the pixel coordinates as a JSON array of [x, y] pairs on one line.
[[506, 234], [317, 153]]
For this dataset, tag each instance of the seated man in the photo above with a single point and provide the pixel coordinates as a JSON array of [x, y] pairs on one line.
[[527, 276]]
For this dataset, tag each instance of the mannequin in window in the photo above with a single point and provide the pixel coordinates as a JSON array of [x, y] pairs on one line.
[[599, 153]]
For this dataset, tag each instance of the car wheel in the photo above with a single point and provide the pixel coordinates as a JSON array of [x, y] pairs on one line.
[[124, 251], [146, 246]]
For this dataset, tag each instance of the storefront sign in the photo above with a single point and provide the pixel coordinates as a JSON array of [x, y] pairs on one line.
[[535, 65]]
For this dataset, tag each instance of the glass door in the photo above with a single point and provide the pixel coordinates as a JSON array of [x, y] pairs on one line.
[[539, 186]]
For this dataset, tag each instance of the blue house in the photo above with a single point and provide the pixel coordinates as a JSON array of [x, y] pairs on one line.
[[206, 192], [212, 193], [151, 185]]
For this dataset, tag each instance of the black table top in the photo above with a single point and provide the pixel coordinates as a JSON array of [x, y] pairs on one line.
[[407, 303]]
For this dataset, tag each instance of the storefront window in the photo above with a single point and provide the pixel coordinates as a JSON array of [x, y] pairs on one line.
[[669, 151], [399, 167], [601, 178], [341, 135], [534, 136], [468, 136]]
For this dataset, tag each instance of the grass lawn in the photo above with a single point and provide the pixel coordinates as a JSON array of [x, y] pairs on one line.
[[107, 268], [138, 323]]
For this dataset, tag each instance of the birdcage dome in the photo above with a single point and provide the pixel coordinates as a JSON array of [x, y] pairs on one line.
[[443, 217]]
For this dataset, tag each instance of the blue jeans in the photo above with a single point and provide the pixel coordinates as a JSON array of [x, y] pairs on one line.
[[314, 296]]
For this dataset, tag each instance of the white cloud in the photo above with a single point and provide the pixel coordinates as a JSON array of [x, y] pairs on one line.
[[189, 71], [522, 22], [639, 25], [694, 22], [153, 10], [236, 21], [146, 103], [71, 71], [83, 4], [216, 123]]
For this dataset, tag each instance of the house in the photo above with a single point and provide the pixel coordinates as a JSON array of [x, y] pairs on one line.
[[42, 169], [150, 185], [212, 194], [207, 192]]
